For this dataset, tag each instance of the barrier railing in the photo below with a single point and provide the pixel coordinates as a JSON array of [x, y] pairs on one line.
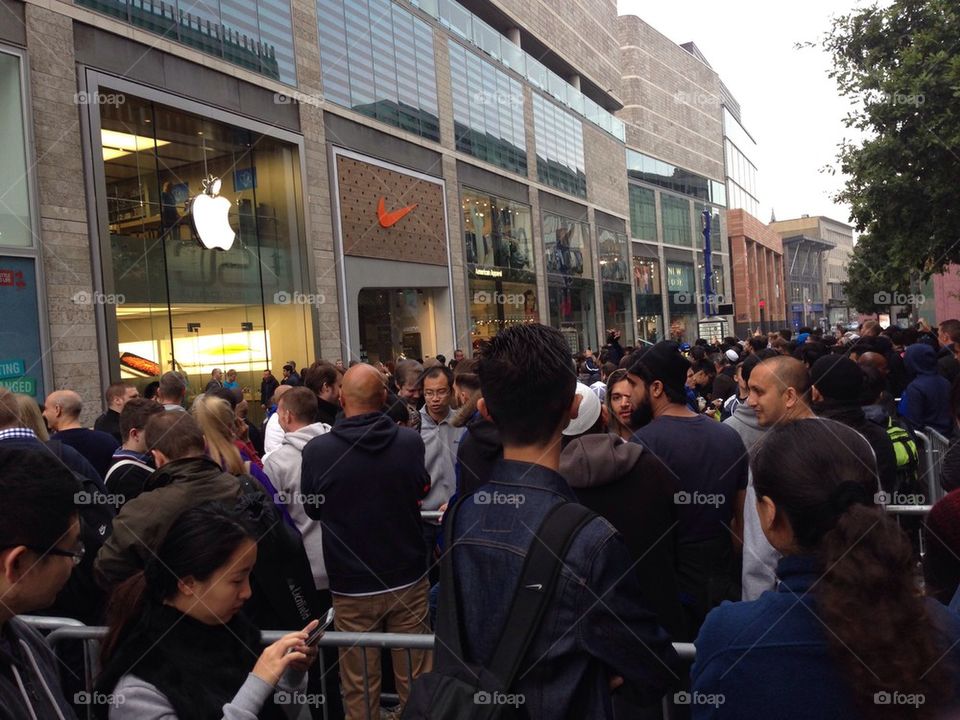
[[65, 629]]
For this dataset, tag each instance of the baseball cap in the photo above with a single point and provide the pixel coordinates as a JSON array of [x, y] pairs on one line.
[[663, 362], [587, 414]]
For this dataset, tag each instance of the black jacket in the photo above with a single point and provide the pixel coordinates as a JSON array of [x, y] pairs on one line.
[[477, 453], [854, 417], [326, 412], [23, 649], [267, 388], [109, 423], [634, 491], [371, 475]]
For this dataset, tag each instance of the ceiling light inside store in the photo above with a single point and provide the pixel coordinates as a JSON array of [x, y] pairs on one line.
[[117, 144]]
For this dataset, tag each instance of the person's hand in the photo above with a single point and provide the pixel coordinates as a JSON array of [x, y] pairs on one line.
[[286, 651], [615, 682], [310, 652]]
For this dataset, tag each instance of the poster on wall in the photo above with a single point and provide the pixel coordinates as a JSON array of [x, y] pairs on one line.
[[21, 365]]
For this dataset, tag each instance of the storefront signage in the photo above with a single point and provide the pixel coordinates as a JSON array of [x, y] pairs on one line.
[[210, 211], [12, 368], [389, 219], [24, 386], [487, 272]]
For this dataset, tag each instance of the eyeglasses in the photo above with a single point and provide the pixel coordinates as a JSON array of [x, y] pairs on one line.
[[439, 394], [77, 554]]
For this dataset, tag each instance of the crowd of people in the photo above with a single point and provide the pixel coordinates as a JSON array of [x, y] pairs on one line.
[[728, 494]]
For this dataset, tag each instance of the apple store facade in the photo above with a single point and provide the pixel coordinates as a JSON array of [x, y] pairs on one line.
[[193, 280]]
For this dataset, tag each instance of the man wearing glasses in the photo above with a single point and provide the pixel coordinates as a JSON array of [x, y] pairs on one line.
[[440, 438], [39, 547]]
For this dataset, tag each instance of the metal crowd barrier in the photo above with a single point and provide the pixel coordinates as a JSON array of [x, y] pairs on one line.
[[66, 629]]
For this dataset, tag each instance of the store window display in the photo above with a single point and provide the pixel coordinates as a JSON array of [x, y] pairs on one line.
[[500, 266], [569, 280]]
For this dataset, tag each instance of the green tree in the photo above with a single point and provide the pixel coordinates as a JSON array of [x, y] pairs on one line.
[[899, 65]]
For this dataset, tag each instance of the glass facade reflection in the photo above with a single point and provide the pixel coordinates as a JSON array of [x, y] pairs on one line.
[[643, 213], [377, 58], [672, 177], [502, 282], [488, 116], [569, 269], [682, 301], [187, 307], [675, 215], [647, 283], [254, 34], [615, 274], [559, 138]]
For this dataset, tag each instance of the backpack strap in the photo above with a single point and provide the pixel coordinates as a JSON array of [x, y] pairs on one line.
[[448, 614], [541, 568]]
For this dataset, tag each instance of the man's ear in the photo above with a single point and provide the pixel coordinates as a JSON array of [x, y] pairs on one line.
[[655, 389], [791, 398], [13, 564], [484, 410], [575, 406], [815, 394], [159, 459]]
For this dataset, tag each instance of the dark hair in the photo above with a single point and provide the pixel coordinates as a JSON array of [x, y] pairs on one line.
[[225, 394], [136, 413], [466, 376], [396, 409], [198, 543], [705, 366], [319, 374], [176, 434], [810, 352], [37, 500], [407, 373], [822, 475], [150, 390], [607, 368], [527, 379], [951, 328], [941, 564], [301, 402], [786, 334], [758, 343], [436, 371], [115, 390]]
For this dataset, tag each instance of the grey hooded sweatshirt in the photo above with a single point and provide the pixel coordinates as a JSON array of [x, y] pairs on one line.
[[283, 468]]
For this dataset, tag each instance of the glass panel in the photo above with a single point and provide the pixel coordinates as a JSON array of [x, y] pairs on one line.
[[15, 223], [276, 35], [21, 362], [486, 38], [333, 51], [613, 256], [643, 213], [455, 17], [557, 86], [360, 56], [682, 296], [537, 73], [497, 233], [234, 308], [676, 221], [513, 57], [617, 314], [572, 312], [567, 244], [384, 62]]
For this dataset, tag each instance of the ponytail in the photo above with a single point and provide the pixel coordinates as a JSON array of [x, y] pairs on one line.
[[879, 630], [125, 604]]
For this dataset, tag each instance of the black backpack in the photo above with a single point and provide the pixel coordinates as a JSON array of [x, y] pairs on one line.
[[284, 594], [460, 690]]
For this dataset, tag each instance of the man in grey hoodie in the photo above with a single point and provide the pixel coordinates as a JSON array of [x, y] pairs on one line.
[[296, 411], [39, 548]]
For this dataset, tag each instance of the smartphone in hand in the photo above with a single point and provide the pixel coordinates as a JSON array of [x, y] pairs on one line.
[[314, 637]]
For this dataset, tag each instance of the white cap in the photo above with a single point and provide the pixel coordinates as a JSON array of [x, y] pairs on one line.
[[733, 355], [587, 414]]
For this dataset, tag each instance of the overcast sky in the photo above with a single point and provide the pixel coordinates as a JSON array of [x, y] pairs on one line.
[[788, 104]]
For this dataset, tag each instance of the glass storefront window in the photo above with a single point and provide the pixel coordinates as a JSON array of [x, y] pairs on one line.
[[498, 240], [676, 220], [615, 273], [646, 281], [559, 139], [569, 263], [186, 306], [643, 213], [682, 301], [15, 224]]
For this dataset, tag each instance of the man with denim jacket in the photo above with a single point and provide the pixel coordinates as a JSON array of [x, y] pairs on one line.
[[595, 635]]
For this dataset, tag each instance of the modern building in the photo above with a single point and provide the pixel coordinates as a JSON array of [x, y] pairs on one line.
[[758, 280], [240, 184], [675, 170], [828, 301]]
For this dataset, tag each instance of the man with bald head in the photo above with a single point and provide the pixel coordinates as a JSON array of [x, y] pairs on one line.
[[364, 481], [62, 413]]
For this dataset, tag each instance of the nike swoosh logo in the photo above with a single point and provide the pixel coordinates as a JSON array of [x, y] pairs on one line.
[[538, 586], [389, 219]]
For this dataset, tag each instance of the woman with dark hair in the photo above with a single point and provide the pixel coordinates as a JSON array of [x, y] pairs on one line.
[[848, 630], [178, 646]]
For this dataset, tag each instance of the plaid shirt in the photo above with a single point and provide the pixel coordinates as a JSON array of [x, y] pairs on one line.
[[18, 432]]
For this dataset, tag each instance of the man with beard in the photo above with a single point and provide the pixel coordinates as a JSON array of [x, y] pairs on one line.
[[709, 462]]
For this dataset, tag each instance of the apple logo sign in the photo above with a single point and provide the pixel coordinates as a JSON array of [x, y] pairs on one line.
[[209, 212]]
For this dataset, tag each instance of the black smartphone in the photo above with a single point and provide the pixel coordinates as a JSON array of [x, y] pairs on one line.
[[314, 637]]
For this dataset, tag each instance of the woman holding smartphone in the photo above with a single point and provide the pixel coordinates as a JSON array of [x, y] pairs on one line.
[[178, 646]]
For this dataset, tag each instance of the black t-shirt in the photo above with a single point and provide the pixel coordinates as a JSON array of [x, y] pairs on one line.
[[97, 447], [710, 464]]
